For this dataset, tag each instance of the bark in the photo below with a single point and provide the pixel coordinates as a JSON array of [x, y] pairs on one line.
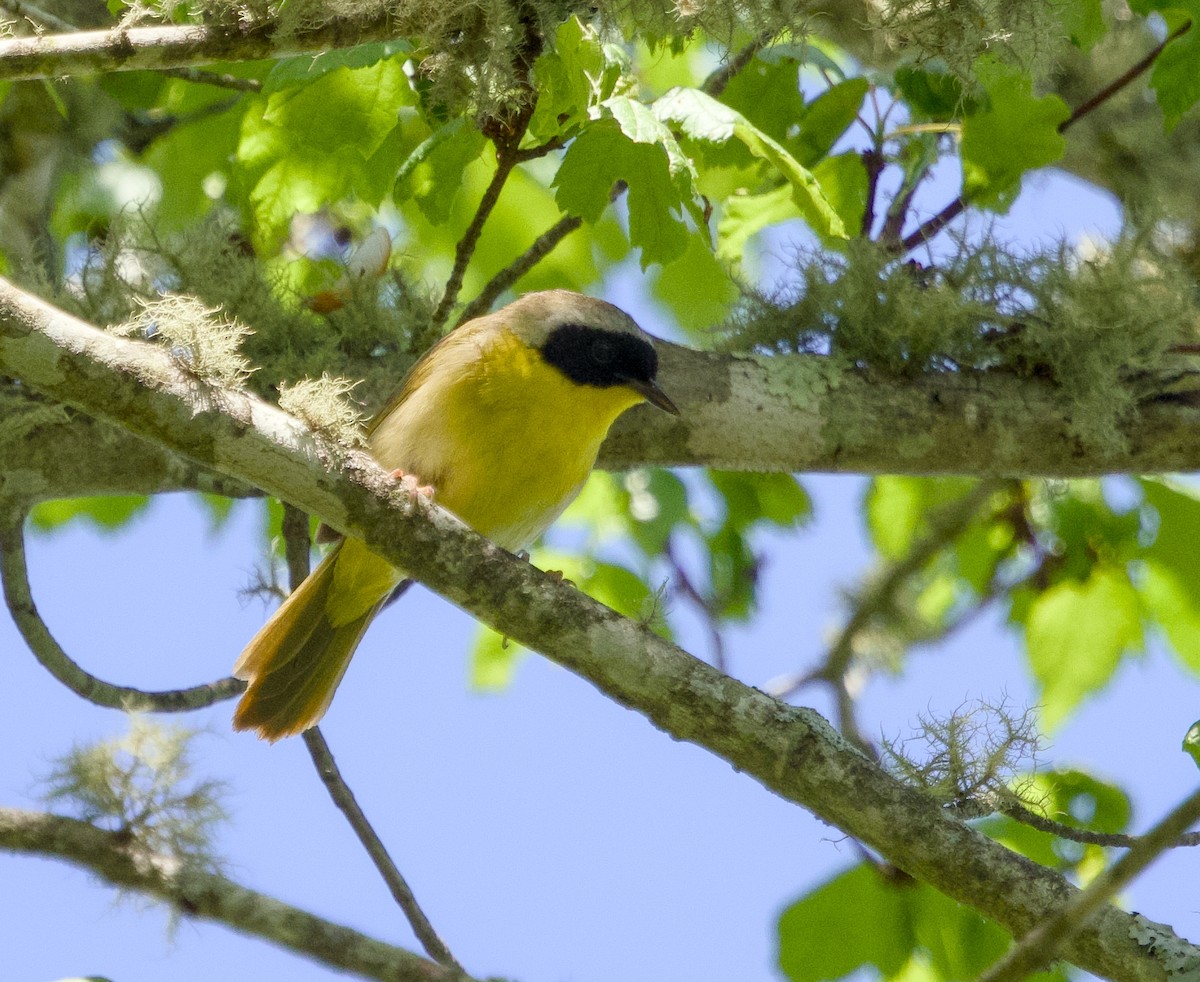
[[123, 863]]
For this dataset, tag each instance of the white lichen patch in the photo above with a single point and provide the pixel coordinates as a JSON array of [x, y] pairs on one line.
[[322, 403], [202, 340]]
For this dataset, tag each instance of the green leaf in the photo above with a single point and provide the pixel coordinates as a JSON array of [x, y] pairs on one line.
[[107, 513], [827, 117], [1014, 133], [932, 95], [702, 117], [1075, 635], [898, 508], [778, 499], [657, 503], [344, 108], [843, 179], [1170, 587], [863, 919], [850, 922], [1069, 797], [1176, 75], [767, 93], [744, 216], [696, 287], [492, 661], [577, 73], [185, 158], [610, 150], [305, 69], [1084, 22]]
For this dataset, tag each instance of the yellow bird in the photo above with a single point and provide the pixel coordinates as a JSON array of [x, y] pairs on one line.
[[503, 418]]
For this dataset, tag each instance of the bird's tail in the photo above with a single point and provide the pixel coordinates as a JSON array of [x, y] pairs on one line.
[[296, 660]]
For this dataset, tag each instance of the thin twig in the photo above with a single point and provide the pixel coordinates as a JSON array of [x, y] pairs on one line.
[[297, 544], [466, 245], [15, 575], [715, 84], [707, 606], [223, 80], [343, 797], [1113, 840], [37, 16], [929, 228], [1122, 81], [881, 594], [1039, 946], [542, 246]]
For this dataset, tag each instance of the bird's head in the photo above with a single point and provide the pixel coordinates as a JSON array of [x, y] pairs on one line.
[[590, 341]]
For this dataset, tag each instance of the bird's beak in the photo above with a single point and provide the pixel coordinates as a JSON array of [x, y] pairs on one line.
[[653, 395]]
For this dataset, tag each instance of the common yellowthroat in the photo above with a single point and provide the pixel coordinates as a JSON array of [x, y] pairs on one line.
[[503, 418]]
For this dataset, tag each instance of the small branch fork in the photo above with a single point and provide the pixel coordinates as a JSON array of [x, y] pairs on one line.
[[297, 544], [17, 594], [932, 226], [112, 857], [544, 244], [1039, 946]]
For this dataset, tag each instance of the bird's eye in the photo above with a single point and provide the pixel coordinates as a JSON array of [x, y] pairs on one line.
[[602, 352]]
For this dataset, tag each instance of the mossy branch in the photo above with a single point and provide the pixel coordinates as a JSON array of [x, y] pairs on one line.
[[197, 893], [791, 751], [184, 46]]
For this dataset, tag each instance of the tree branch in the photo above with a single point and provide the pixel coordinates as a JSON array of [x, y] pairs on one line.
[[1039, 946], [112, 857], [184, 46], [15, 576], [790, 750]]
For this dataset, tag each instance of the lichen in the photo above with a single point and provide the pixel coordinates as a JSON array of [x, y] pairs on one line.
[[1099, 327], [323, 404]]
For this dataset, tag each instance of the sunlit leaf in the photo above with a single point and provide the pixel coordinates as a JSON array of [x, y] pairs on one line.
[[1076, 633]]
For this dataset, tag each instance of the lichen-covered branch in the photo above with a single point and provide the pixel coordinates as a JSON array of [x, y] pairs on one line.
[[182, 46], [791, 751], [197, 893], [780, 413]]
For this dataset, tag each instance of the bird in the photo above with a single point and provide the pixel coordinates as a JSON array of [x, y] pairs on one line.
[[503, 419]]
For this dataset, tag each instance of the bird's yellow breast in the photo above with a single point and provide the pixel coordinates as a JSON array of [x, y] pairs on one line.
[[505, 439]]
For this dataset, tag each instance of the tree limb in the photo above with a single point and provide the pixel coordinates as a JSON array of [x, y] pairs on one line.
[[792, 751], [1040, 946], [122, 863], [182, 46], [741, 412]]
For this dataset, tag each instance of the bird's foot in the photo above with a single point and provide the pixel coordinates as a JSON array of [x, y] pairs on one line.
[[412, 484]]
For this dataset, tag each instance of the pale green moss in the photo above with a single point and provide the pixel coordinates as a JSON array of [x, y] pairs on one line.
[[1099, 328]]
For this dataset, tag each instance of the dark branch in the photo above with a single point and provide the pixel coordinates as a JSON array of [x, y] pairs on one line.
[[344, 798], [17, 594]]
